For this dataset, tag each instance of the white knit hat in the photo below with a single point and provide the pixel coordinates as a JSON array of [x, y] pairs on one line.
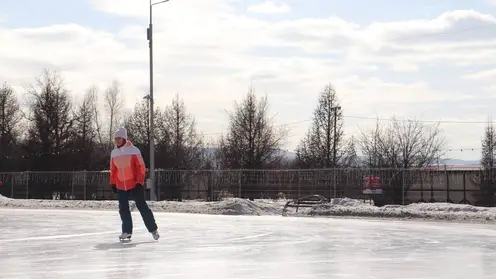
[[121, 133]]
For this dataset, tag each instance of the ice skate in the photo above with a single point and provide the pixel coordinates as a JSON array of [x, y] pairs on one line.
[[155, 235], [125, 237]]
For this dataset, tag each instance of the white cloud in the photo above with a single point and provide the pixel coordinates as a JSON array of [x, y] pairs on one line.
[[210, 53], [270, 7], [489, 75]]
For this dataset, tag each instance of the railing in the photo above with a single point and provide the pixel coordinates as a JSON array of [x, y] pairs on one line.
[[469, 185]]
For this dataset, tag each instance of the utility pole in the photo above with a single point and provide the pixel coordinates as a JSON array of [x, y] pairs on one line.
[[149, 34]]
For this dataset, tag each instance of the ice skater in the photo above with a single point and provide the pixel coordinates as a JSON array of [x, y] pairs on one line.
[[127, 177]]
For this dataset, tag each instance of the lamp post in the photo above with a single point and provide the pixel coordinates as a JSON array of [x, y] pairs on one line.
[[147, 97], [149, 33]]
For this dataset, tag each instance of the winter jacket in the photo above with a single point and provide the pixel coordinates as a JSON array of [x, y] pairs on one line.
[[127, 167]]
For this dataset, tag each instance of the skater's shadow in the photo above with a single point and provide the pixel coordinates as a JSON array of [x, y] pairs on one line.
[[119, 245]]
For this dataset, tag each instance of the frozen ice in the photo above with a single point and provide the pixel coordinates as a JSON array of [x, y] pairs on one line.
[[56, 243]]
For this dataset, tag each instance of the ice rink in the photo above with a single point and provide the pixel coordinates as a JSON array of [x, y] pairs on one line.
[[83, 244]]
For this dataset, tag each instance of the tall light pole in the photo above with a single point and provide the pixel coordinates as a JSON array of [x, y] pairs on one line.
[[149, 35]]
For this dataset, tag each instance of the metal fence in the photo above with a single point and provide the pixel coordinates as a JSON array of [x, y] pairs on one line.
[[402, 186]]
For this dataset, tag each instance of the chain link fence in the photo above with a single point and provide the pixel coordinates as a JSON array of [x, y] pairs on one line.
[[401, 186]]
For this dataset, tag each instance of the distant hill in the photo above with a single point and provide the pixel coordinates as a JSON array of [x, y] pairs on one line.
[[292, 155], [461, 162]]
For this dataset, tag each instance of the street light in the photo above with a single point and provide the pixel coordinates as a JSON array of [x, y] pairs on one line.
[[149, 35], [147, 97]]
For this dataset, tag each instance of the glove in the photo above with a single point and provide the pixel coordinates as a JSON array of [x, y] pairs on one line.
[[114, 189], [139, 186]]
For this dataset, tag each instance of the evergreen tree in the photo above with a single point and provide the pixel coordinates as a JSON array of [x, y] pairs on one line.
[[324, 146], [485, 196], [488, 146], [252, 141]]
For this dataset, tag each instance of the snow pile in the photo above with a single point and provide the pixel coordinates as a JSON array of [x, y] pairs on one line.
[[347, 202], [232, 206], [426, 211]]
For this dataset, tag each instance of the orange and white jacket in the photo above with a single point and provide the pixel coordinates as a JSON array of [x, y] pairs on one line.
[[127, 167]]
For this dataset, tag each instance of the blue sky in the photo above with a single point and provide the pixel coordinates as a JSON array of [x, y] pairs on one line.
[[412, 59], [33, 13]]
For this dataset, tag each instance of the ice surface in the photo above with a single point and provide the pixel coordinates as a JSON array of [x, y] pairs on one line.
[[55, 244]]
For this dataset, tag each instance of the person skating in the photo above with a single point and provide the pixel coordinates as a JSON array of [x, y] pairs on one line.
[[127, 178]]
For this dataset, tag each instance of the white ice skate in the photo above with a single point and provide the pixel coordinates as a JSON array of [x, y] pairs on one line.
[[155, 235], [125, 237]]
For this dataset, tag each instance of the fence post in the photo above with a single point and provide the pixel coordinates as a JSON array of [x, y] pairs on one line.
[[330, 187], [72, 185], [12, 187], [334, 182], [446, 184], [491, 187], [403, 187], [211, 185], [201, 181], [85, 173], [239, 184], [27, 184], [299, 183], [157, 185]]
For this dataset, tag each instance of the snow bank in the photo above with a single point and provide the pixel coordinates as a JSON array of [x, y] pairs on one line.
[[427, 211], [226, 207], [344, 207]]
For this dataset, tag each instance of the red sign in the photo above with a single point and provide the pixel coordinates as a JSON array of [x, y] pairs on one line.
[[372, 185]]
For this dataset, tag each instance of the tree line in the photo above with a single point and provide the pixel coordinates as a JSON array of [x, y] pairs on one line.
[[56, 134]]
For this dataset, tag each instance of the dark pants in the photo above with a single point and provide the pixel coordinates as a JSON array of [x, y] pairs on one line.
[[138, 194]]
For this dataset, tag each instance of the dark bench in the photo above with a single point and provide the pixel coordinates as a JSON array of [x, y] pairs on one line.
[[307, 201]]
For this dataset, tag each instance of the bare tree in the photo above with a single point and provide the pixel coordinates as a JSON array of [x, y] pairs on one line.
[[405, 148], [10, 127], [186, 145], [85, 131], [349, 157], [324, 145], [402, 144], [114, 103], [92, 94], [211, 154], [253, 141], [138, 127], [51, 120]]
